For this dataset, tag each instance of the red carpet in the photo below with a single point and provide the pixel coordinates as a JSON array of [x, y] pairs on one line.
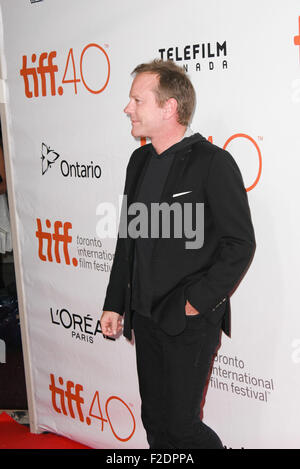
[[16, 436]]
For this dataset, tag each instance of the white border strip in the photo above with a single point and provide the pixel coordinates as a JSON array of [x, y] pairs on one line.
[[7, 148]]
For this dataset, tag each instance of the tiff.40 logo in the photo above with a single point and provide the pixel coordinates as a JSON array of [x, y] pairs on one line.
[[67, 399], [60, 239], [43, 71]]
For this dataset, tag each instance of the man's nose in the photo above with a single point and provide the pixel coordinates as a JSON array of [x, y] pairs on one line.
[[128, 108]]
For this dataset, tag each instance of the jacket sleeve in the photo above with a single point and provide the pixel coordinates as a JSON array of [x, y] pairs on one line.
[[228, 203]]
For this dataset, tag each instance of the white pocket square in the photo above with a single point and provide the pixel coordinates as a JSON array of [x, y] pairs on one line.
[[181, 193]]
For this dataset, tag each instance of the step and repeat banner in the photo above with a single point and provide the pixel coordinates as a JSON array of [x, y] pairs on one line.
[[65, 71]]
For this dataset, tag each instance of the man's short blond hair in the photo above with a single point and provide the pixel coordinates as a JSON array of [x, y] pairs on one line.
[[173, 83]]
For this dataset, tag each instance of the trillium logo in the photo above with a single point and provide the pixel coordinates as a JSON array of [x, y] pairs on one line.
[[48, 157]]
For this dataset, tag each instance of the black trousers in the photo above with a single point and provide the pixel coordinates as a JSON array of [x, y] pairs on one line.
[[172, 372]]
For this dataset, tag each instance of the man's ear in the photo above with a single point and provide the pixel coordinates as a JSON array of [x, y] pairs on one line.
[[170, 108]]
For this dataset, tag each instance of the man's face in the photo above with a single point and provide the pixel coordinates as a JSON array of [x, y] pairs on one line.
[[145, 114]]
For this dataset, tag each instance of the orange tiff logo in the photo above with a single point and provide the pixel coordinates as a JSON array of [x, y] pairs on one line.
[[42, 71], [233, 137], [67, 399], [72, 397], [60, 237], [247, 137]]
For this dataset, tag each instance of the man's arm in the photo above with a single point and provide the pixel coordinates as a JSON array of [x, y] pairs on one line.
[[114, 303], [113, 307]]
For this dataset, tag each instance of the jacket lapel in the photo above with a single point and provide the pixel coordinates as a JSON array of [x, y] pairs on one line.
[[176, 174], [174, 179], [139, 172]]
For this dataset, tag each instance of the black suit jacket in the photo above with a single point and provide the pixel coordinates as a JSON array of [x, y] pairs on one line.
[[206, 276]]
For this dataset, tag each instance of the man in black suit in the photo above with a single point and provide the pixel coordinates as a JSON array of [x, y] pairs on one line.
[[174, 285]]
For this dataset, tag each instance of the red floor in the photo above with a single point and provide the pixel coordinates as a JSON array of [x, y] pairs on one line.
[[16, 436]]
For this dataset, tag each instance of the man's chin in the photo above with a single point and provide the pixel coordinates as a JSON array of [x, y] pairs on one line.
[[135, 133]]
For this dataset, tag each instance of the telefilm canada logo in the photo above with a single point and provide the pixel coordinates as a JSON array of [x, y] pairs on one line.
[[50, 157], [199, 56]]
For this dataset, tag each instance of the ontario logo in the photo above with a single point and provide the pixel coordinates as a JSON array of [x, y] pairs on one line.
[[74, 170], [48, 157]]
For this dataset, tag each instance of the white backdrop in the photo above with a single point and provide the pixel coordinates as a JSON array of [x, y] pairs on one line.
[[65, 66]]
